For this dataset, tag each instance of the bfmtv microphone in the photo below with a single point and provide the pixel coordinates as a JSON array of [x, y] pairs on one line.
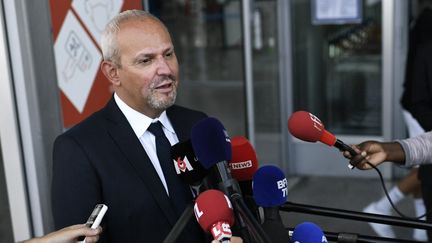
[[307, 127], [186, 163], [270, 190], [308, 232], [214, 213]]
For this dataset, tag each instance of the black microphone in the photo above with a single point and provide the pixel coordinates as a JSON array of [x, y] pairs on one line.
[[187, 166], [270, 190], [190, 170]]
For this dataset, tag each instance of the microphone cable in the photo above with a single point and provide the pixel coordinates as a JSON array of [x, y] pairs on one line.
[[388, 196]]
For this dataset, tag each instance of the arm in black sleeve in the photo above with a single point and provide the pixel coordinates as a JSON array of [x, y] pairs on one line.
[[421, 90]]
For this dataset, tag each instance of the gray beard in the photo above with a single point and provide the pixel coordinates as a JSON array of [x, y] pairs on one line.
[[162, 104]]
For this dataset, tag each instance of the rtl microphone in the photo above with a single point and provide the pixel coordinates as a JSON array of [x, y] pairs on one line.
[[243, 166], [308, 232], [186, 164], [214, 213], [307, 127], [270, 190]]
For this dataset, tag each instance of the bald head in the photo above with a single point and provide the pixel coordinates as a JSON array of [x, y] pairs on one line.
[[109, 45]]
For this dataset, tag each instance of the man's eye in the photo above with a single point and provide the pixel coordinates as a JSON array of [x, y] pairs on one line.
[[169, 54], [144, 61]]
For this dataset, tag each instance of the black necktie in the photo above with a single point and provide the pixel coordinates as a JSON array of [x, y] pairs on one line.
[[179, 192]]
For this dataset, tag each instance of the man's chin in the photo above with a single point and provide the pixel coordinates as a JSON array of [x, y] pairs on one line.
[[162, 104]]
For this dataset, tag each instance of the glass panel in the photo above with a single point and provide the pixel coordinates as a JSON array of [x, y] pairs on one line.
[[337, 70], [5, 219], [208, 40], [266, 81]]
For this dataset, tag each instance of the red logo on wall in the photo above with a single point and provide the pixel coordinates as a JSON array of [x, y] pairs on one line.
[[77, 27]]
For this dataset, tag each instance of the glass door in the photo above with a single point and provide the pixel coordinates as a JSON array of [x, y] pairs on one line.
[[344, 74], [228, 55], [207, 37]]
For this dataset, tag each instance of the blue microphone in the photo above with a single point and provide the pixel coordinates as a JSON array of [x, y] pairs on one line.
[[210, 142], [212, 147], [270, 190], [270, 186], [308, 232]]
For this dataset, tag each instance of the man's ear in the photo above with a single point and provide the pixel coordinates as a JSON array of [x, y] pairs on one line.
[[110, 70]]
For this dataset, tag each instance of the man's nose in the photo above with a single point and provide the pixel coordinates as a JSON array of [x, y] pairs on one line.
[[163, 66]]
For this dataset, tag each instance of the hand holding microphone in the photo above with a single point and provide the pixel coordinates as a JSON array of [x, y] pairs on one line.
[[373, 153], [307, 127]]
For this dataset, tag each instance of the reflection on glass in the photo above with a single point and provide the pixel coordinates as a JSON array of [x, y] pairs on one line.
[[208, 39], [337, 70], [208, 42]]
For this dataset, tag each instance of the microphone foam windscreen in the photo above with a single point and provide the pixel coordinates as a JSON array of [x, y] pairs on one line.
[[270, 186], [308, 232], [243, 163], [186, 164], [305, 126], [213, 206], [210, 142]]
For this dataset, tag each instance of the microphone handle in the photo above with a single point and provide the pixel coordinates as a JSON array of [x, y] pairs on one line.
[[344, 147], [180, 224], [257, 231]]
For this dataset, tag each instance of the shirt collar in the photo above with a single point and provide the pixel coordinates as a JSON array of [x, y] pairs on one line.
[[140, 122]]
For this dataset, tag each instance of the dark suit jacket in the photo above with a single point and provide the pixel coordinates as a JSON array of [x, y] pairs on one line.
[[101, 160]]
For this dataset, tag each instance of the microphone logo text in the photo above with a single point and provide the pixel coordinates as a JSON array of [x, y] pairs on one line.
[[316, 122], [283, 186], [241, 165]]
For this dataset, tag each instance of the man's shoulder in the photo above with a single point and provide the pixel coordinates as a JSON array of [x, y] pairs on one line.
[[89, 125]]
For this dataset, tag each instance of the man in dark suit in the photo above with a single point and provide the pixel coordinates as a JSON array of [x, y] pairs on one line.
[[112, 157]]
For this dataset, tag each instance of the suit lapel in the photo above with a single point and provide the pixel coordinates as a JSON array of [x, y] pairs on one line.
[[125, 138], [179, 124]]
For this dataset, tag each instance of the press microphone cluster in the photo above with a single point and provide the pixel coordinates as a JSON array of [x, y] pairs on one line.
[[307, 127], [213, 148]]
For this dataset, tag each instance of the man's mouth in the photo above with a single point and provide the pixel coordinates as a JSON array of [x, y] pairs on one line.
[[164, 87]]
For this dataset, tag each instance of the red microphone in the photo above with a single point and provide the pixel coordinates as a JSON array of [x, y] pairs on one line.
[[307, 127], [243, 163], [214, 212]]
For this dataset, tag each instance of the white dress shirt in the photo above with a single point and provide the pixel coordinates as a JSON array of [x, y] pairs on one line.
[[139, 123]]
